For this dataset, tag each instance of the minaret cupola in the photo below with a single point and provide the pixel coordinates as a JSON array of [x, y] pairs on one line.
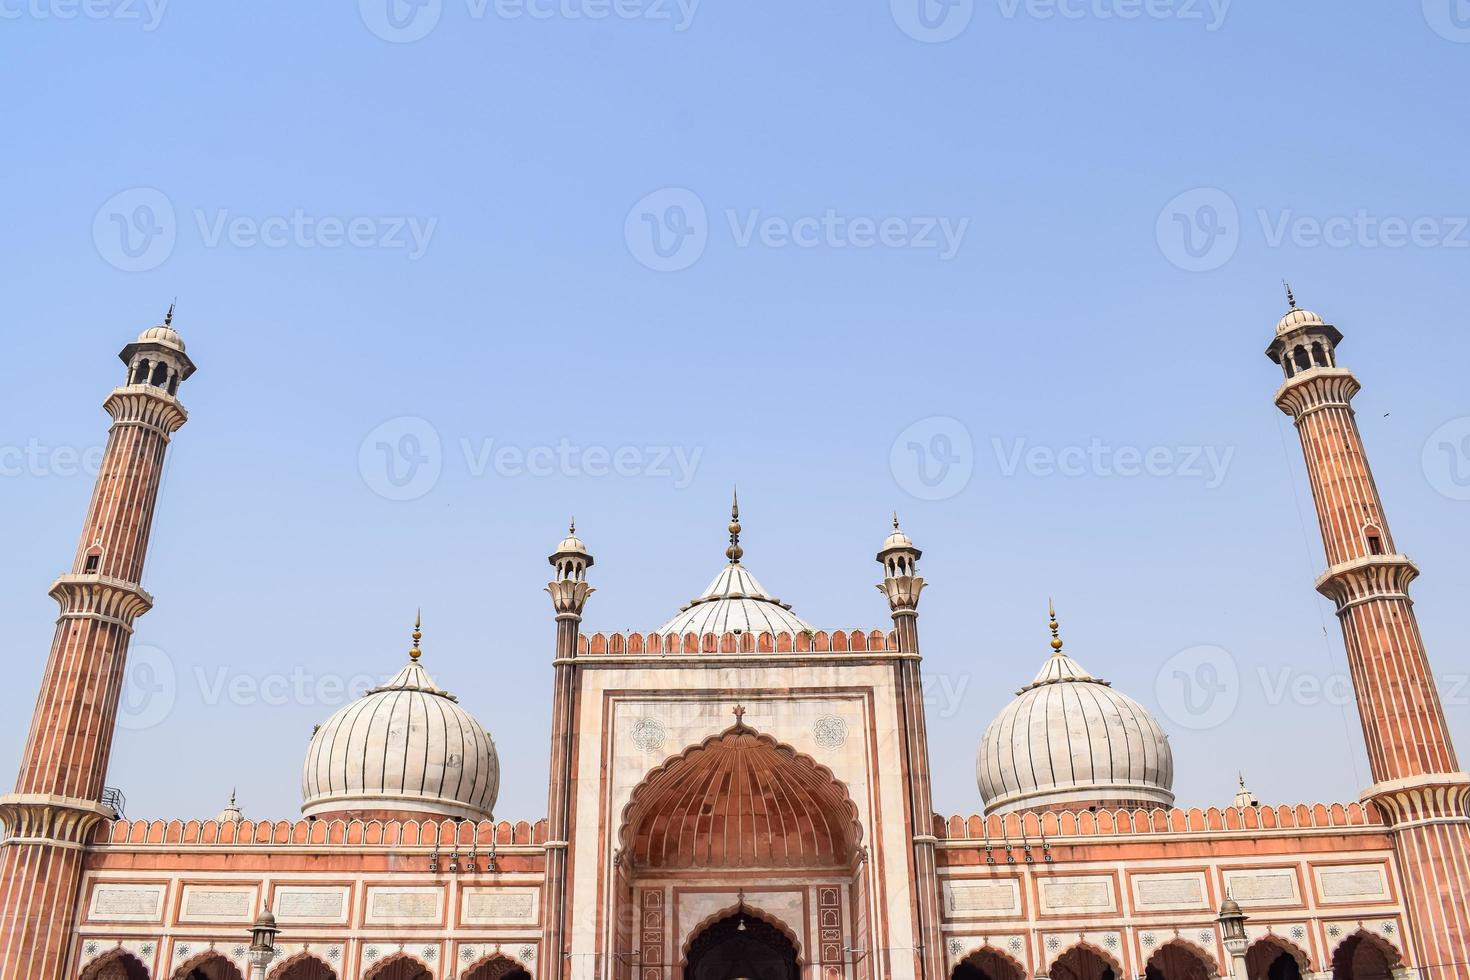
[[1303, 340], [158, 357], [900, 560]]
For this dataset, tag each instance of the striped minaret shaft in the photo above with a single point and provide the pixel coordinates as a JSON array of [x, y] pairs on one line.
[[569, 591], [58, 794], [1417, 782], [902, 585]]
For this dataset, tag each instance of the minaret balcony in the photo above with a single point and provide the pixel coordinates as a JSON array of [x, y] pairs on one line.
[[102, 597], [1351, 583], [1317, 388]]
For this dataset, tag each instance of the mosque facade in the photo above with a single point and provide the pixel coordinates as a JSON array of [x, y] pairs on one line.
[[742, 794]]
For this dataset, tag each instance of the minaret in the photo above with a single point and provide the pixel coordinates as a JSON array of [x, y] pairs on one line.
[[1417, 782], [58, 795], [569, 591], [902, 585]]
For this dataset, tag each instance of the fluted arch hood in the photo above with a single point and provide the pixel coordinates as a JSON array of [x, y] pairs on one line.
[[406, 745], [1070, 738]]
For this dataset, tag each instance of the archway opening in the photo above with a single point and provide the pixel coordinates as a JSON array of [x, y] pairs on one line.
[[303, 967], [1269, 959], [740, 800], [399, 968], [1176, 961], [497, 968], [1084, 963], [988, 964], [1364, 957], [116, 965], [211, 966], [742, 947]]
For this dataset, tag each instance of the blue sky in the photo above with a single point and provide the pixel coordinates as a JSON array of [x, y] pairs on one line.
[[977, 265]]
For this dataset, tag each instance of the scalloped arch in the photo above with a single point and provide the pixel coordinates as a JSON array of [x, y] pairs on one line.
[[133, 968], [286, 969], [809, 819], [494, 966], [1258, 951], [1082, 946], [1392, 955], [976, 957], [227, 970], [387, 967], [1178, 948], [752, 911]]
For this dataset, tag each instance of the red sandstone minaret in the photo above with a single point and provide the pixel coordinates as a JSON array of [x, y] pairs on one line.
[[1416, 779], [58, 795], [569, 591], [901, 585]]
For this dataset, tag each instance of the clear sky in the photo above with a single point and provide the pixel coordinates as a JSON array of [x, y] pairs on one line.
[[453, 272]]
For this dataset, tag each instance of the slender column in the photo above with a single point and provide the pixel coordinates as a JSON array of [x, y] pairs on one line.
[[58, 795], [569, 592], [1417, 782], [902, 585]]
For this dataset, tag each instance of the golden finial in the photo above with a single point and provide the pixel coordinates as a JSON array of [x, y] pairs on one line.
[[734, 552], [418, 634], [1056, 639]]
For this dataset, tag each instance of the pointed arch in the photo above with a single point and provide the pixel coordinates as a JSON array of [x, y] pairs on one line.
[[988, 963], [1084, 961], [740, 799], [1363, 955], [116, 964], [496, 966], [1180, 959], [750, 912], [399, 966], [304, 965], [209, 964], [1265, 951]]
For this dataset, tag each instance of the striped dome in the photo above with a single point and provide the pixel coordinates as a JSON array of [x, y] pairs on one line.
[[404, 746], [735, 603], [1069, 738]]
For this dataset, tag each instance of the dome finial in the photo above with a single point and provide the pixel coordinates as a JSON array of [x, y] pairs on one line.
[[895, 520], [418, 634], [735, 552], [1056, 639], [168, 318], [1290, 296]]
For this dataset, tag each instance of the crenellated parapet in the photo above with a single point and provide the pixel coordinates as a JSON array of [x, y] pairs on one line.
[[1034, 824], [1371, 577], [320, 833], [696, 644]]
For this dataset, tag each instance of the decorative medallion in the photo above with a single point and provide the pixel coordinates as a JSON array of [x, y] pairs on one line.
[[1111, 941], [528, 954], [430, 953], [956, 947], [1388, 929], [648, 734], [92, 949], [1297, 932], [334, 953], [238, 952], [1053, 943], [1206, 936], [181, 951], [467, 953], [830, 731], [146, 949], [1334, 931], [1149, 940], [1015, 944], [371, 952]]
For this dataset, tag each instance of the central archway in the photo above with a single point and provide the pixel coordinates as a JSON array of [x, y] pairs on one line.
[[742, 946]]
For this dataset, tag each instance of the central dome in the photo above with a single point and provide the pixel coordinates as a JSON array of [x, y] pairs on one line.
[[1069, 740], [406, 746], [735, 602]]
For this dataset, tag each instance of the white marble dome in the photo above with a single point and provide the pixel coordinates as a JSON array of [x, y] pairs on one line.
[[735, 603], [405, 746], [1297, 318], [1069, 738], [163, 334]]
